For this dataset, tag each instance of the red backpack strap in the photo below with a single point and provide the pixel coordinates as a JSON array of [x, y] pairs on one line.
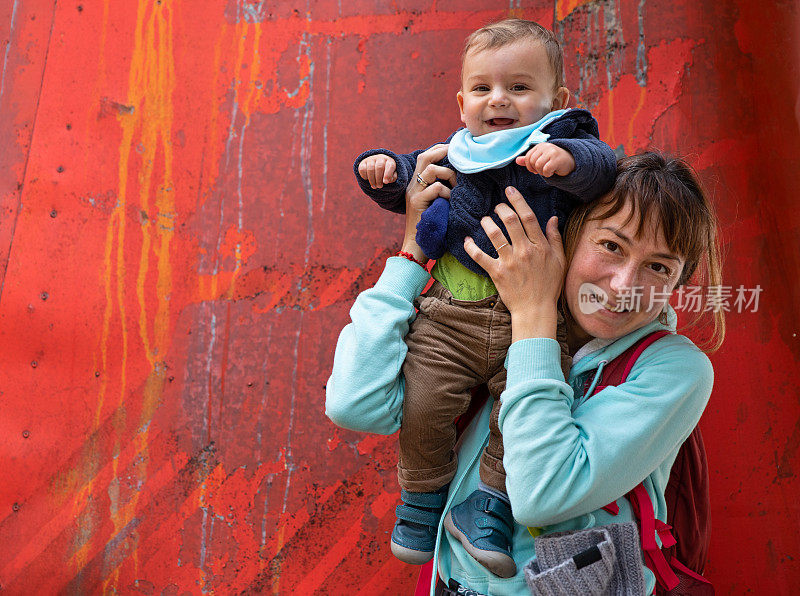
[[648, 526], [616, 371]]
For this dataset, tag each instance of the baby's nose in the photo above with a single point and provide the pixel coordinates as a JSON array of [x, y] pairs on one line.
[[499, 97]]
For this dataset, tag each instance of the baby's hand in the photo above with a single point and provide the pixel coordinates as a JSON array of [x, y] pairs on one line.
[[547, 159], [378, 169]]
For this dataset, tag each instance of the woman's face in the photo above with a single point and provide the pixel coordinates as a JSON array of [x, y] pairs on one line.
[[617, 282]]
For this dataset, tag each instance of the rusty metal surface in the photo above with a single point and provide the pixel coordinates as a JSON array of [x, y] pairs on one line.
[[181, 239]]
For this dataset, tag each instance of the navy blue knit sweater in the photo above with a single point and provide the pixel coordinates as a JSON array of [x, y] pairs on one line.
[[444, 224]]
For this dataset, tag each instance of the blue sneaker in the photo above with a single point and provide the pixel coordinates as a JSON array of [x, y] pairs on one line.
[[484, 526], [414, 534]]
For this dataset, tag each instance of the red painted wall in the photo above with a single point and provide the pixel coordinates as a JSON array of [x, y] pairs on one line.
[[181, 239]]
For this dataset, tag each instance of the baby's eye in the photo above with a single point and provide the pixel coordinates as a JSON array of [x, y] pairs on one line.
[[481, 88], [611, 245], [659, 268], [519, 87]]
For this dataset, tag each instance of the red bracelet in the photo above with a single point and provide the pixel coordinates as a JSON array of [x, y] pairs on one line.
[[410, 257]]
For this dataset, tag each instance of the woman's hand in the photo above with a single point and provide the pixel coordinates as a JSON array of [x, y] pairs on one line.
[[529, 270], [419, 195]]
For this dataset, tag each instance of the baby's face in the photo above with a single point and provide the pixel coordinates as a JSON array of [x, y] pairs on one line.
[[506, 87]]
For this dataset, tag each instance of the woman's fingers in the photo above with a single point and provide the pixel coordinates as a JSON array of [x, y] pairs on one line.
[[477, 255], [432, 155], [554, 237], [440, 173], [512, 223], [437, 189], [421, 198], [495, 234], [526, 215], [431, 173]]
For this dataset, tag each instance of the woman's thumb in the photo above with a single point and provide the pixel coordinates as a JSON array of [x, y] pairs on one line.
[[553, 235]]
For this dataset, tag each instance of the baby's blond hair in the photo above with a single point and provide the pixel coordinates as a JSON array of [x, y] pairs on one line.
[[508, 31]]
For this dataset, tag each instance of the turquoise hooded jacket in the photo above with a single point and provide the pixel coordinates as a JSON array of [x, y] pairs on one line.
[[565, 457]]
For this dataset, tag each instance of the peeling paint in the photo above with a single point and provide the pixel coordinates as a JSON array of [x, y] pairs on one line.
[[209, 240]]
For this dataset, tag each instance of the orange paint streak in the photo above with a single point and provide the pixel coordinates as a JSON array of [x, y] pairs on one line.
[[150, 86], [113, 262], [67, 515], [317, 576], [136, 449], [363, 62], [390, 574], [262, 89], [383, 503], [642, 95], [611, 140], [565, 7], [288, 525]]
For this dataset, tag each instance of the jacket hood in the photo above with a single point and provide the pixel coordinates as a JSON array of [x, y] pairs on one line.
[[574, 119], [608, 351]]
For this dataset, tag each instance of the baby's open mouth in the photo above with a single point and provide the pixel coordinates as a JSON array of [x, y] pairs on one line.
[[500, 121]]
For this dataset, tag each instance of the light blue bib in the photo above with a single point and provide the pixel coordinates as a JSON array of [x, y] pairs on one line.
[[494, 150]]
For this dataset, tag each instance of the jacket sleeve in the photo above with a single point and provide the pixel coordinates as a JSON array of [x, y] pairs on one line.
[[561, 464], [391, 196], [365, 389], [595, 167]]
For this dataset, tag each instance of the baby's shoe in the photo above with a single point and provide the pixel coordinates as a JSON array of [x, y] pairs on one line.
[[414, 534], [484, 525]]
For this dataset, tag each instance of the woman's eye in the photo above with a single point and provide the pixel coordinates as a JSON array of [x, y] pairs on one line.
[[659, 268], [611, 245]]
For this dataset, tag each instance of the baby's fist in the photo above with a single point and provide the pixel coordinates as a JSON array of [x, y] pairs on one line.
[[378, 170], [547, 159]]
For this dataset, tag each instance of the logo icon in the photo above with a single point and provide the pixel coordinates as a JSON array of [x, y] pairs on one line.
[[591, 298]]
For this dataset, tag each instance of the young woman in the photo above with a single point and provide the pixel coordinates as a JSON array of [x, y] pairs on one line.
[[565, 457]]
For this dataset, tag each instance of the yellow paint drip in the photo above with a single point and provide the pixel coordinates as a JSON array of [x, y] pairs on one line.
[[629, 147], [275, 576], [611, 140], [148, 125]]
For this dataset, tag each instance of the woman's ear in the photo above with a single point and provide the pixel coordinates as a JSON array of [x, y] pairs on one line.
[[561, 99]]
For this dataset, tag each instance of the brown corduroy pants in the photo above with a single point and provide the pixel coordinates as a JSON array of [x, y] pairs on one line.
[[453, 346]]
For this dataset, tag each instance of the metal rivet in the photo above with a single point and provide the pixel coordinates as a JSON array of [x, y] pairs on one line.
[[80, 8], [171, 379], [44, 295], [34, 364], [97, 373], [15, 507], [69, 126], [25, 434], [60, 169], [53, 213], [250, 383]]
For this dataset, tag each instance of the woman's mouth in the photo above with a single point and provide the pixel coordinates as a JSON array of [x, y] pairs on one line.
[[617, 308]]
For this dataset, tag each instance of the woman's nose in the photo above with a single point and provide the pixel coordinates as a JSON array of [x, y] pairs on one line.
[[623, 279]]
